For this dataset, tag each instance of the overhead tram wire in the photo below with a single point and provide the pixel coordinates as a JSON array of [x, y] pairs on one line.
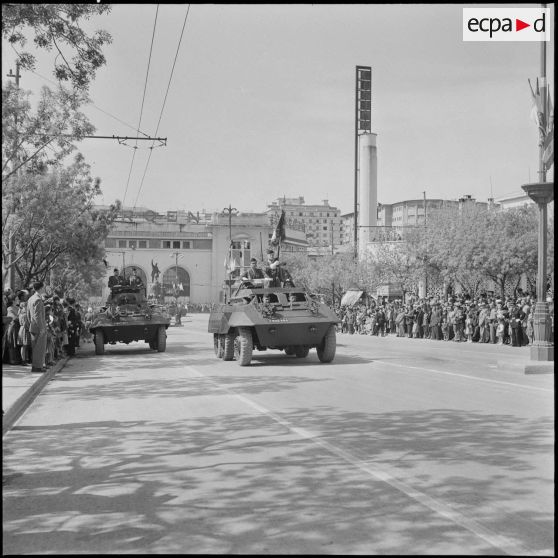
[[164, 103], [99, 108], [142, 103], [90, 102]]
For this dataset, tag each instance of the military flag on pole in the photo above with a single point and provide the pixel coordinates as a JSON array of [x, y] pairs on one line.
[[279, 232], [544, 119]]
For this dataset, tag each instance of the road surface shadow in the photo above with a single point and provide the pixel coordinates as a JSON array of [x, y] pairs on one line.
[[245, 482]]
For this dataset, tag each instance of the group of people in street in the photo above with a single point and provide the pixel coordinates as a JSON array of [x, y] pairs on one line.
[[39, 329], [485, 319]]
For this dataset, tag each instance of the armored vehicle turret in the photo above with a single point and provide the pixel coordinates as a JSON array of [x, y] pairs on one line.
[[260, 317], [127, 317]]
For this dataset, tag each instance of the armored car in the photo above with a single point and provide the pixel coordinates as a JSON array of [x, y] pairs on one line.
[[259, 317]]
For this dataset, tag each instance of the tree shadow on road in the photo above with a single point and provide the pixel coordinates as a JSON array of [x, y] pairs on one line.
[[310, 482]]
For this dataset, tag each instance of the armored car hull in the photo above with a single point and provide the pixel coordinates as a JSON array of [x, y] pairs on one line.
[[287, 319], [127, 317]]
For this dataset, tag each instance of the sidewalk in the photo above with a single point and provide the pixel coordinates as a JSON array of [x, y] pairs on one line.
[[20, 386]]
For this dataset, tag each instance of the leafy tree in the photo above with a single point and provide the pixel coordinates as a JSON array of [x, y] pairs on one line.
[[329, 275], [397, 263], [77, 277], [33, 140], [55, 218], [58, 27], [32, 143], [471, 243]]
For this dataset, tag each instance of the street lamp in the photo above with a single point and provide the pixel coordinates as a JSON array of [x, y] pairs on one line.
[[230, 211], [541, 193]]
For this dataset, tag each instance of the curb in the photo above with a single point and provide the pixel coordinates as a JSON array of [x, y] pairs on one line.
[[539, 367], [24, 400], [527, 366]]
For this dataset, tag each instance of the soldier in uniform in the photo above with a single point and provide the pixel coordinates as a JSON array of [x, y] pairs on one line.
[[253, 272], [115, 279]]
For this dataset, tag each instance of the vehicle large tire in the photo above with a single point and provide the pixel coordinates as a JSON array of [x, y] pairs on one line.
[[99, 342], [243, 346], [326, 350], [301, 351], [228, 346], [153, 344], [289, 350], [218, 345], [161, 339]]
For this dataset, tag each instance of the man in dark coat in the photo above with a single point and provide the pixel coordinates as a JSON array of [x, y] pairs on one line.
[[435, 321], [115, 279], [516, 317], [37, 327]]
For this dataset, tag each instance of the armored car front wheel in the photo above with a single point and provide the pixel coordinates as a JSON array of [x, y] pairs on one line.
[[326, 350], [243, 346], [218, 345], [161, 339]]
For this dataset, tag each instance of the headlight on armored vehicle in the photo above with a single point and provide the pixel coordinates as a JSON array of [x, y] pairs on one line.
[[313, 329]]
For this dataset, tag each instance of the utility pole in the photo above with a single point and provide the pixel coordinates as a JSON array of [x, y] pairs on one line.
[[11, 235], [17, 75], [544, 93], [425, 251]]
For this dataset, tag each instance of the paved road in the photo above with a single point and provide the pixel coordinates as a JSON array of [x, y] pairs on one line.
[[397, 447]]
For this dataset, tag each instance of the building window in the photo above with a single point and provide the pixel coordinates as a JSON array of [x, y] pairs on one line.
[[122, 244], [142, 244], [131, 243], [176, 243], [186, 244], [166, 243]]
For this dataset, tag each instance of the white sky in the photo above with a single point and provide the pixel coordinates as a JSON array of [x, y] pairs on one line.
[[261, 104]]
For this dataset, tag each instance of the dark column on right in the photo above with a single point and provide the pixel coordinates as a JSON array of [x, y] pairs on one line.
[[542, 348]]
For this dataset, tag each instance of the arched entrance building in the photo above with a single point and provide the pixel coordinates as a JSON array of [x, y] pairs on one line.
[[176, 278]]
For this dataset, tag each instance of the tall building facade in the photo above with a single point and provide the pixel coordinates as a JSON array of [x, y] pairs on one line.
[[321, 222], [190, 254]]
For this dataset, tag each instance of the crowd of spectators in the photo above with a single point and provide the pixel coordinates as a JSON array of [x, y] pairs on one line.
[[462, 318], [64, 326]]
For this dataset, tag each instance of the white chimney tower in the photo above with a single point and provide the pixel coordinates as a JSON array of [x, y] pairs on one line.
[[368, 190]]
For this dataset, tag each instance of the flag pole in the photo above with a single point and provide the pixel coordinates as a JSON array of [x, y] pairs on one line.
[[544, 93]]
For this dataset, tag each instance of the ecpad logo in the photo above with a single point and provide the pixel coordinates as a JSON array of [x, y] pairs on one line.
[[506, 24]]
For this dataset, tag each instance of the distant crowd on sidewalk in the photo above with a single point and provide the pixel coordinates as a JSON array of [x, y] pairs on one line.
[[39, 329], [462, 318]]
